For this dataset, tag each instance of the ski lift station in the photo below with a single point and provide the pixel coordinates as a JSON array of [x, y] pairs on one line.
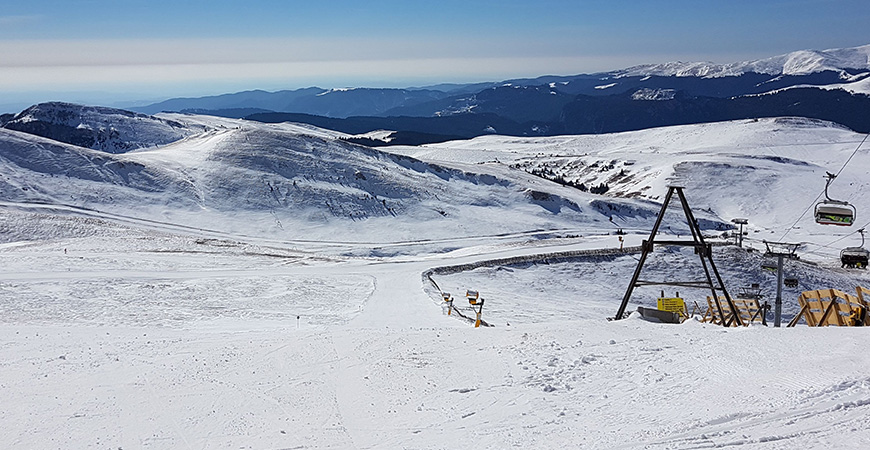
[[818, 308]]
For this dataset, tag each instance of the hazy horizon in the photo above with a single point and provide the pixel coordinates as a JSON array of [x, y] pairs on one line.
[[127, 53]]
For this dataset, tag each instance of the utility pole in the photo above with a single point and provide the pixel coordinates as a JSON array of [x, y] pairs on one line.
[[740, 222], [777, 317], [780, 250]]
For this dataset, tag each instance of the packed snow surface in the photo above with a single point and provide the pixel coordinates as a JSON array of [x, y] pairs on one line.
[[859, 86], [271, 286]]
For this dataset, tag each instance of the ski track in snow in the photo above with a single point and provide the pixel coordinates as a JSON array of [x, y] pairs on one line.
[[135, 331], [191, 355]]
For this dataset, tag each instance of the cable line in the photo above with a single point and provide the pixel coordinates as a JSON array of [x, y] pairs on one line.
[[782, 238], [866, 225]]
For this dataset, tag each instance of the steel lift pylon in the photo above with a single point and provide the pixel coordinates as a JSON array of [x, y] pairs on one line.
[[702, 249]]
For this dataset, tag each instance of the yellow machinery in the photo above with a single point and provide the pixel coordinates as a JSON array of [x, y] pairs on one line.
[[472, 296], [448, 300]]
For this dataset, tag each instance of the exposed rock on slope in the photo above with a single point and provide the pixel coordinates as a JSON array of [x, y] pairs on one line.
[[98, 128]]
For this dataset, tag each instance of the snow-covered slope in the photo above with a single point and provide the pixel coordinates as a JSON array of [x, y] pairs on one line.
[[795, 63], [860, 85], [286, 178], [770, 171], [271, 286], [99, 128], [292, 179]]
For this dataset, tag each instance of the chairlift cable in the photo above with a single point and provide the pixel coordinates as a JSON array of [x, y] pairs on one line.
[[853, 154], [824, 192], [812, 204], [829, 245], [845, 236]]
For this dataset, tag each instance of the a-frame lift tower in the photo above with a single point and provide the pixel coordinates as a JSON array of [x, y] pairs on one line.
[[702, 249]]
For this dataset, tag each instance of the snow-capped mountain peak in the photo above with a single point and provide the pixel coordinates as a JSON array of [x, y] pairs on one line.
[[800, 62]]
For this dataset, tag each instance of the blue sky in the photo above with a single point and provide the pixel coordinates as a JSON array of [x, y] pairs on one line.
[[117, 51]]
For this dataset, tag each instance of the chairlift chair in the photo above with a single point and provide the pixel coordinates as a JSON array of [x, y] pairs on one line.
[[769, 266], [855, 257], [834, 212], [752, 291], [790, 282]]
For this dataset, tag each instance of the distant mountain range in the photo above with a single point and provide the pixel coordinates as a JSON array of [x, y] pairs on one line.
[[831, 85]]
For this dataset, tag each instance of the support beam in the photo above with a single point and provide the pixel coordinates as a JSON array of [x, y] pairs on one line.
[[702, 249], [647, 248]]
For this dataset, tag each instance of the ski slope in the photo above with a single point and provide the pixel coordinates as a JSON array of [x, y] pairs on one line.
[[184, 316]]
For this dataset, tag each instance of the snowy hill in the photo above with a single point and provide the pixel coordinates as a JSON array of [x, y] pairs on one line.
[[750, 169], [273, 286], [288, 177], [294, 177], [105, 129]]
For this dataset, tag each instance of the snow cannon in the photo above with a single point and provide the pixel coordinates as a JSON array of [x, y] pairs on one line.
[[472, 296], [448, 300]]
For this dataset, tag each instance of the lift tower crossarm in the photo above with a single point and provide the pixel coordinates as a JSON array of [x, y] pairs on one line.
[[703, 250]]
